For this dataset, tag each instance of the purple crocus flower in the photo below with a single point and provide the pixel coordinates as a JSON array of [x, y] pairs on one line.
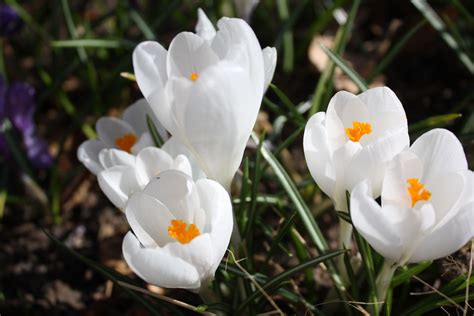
[[17, 103], [10, 21]]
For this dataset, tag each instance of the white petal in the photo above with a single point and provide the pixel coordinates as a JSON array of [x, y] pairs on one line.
[[182, 163], [149, 65], [174, 147], [218, 120], [118, 183], [216, 202], [110, 157], [316, 151], [447, 238], [441, 152], [269, 63], [344, 108], [135, 115], [386, 111], [199, 253], [236, 31], [88, 154], [177, 192], [372, 160], [150, 162], [189, 53], [404, 166], [158, 267], [149, 220], [143, 142], [110, 128], [204, 27], [371, 222]]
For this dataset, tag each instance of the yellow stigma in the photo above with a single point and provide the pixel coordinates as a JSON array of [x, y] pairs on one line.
[[194, 76], [358, 130], [126, 141], [177, 230], [417, 191]]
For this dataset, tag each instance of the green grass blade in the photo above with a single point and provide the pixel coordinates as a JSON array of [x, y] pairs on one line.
[[142, 25], [407, 274], [433, 121], [284, 276], [72, 28], [348, 70], [288, 46], [96, 43], [437, 23], [154, 132]]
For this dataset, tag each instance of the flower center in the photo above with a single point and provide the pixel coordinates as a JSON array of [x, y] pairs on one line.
[[417, 191], [126, 142], [194, 76], [358, 130], [178, 231]]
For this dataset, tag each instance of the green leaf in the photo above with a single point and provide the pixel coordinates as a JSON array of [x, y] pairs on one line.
[[154, 132], [407, 274], [351, 73], [285, 276], [97, 43], [344, 216], [142, 25], [433, 121]]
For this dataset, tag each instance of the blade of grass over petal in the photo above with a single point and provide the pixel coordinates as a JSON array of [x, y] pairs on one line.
[[351, 73], [154, 132], [437, 23], [324, 85], [393, 52], [284, 276]]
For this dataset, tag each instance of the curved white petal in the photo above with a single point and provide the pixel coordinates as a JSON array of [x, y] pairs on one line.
[[441, 152], [159, 267], [110, 128], [88, 154], [373, 158], [447, 238], [136, 114], [150, 162], [176, 190], [118, 183], [219, 221], [200, 253], [110, 157], [175, 148], [316, 151], [204, 27], [372, 222], [236, 31], [182, 163], [149, 65], [218, 120], [143, 142], [149, 220], [188, 53], [269, 64]]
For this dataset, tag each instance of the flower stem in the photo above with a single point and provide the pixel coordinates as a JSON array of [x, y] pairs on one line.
[[383, 280]]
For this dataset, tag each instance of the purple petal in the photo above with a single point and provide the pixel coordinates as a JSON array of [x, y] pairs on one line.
[[10, 21], [20, 106], [37, 151]]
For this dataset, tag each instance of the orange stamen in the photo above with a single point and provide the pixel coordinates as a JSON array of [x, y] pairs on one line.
[[126, 142], [358, 130], [194, 76], [417, 191], [177, 230]]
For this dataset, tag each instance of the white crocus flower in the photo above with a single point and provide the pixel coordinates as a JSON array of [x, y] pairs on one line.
[[128, 134], [125, 174], [427, 207], [354, 140], [181, 230], [207, 89]]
